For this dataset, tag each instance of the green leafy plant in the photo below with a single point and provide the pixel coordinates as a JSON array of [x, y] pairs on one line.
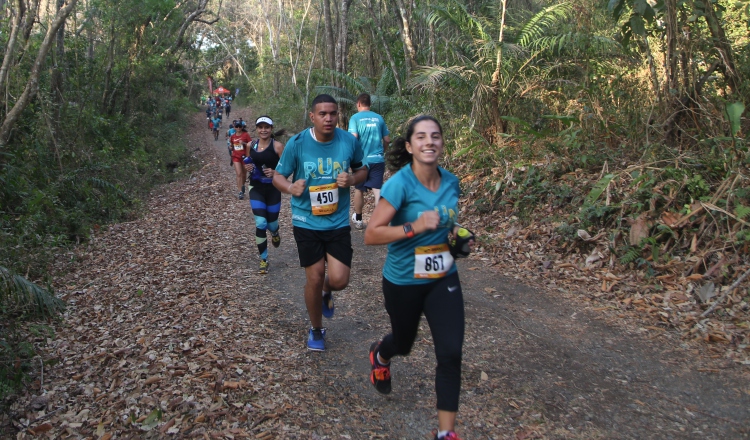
[[21, 299], [18, 295]]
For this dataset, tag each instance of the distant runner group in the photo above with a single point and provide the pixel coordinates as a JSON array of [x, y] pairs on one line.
[[415, 214]]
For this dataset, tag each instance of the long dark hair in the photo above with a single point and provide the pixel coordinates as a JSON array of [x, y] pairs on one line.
[[397, 157]]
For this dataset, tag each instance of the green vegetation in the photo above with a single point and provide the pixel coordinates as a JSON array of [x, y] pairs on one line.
[[590, 115], [83, 139]]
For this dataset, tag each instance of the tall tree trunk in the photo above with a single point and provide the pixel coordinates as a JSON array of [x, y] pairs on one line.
[[10, 48], [56, 75], [309, 73], [32, 85], [654, 76], [108, 68], [295, 52], [132, 56], [409, 50], [329, 40], [56, 85], [386, 48], [273, 42], [342, 46], [29, 20], [721, 44], [670, 56], [497, 122], [432, 41]]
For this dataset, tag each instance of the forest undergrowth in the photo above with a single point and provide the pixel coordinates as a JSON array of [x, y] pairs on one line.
[[662, 241]]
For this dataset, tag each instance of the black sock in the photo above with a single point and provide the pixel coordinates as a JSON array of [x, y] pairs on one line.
[[358, 217]]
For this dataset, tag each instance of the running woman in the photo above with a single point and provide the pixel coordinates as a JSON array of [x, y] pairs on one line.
[[265, 199], [319, 159], [240, 141], [217, 124], [415, 217], [369, 127]]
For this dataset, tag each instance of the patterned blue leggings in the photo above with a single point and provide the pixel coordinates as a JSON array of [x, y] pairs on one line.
[[265, 201]]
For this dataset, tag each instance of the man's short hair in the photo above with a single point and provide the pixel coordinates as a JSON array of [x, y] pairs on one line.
[[323, 98], [364, 99]]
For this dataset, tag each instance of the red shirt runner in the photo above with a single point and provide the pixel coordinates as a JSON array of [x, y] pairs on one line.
[[238, 142]]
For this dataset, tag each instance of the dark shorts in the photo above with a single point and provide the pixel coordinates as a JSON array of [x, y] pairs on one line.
[[374, 177], [313, 245]]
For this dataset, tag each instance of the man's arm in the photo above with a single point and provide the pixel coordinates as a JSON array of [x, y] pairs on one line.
[[360, 176], [281, 183]]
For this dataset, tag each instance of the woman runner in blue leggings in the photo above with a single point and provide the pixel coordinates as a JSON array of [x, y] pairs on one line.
[[265, 199]]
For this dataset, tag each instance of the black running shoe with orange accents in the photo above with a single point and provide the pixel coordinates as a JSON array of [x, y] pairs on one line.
[[380, 376]]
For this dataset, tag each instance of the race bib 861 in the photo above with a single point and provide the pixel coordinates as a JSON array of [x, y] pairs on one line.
[[432, 261]]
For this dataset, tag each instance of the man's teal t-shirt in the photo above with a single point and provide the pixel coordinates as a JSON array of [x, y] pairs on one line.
[[319, 163], [410, 199], [371, 129]]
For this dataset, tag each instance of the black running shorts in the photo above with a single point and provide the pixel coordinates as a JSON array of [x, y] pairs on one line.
[[313, 245]]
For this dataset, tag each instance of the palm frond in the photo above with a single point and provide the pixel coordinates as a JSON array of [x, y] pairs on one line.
[[17, 294], [430, 77], [105, 186], [574, 42], [386, 83], [543, 20], [455, 14], [348, 83]]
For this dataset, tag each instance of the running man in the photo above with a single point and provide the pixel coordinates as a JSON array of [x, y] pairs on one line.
[[319, 159], [369, 127], [265, 199], [217, 125]]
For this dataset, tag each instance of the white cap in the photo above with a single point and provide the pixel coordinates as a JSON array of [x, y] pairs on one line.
[[265, 119]]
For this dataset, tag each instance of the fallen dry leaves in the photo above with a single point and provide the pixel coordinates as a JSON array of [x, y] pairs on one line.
[[663, 296], [156, 341]]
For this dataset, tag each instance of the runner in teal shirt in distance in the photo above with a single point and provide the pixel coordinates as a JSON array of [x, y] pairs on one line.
[[369, 127]]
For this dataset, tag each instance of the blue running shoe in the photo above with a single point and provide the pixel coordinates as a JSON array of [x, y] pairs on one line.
[[316, 339], [328, 307]]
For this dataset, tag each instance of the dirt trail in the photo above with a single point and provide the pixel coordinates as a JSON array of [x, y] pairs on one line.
[[172, 333]]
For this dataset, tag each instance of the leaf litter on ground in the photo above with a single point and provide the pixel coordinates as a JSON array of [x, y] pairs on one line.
[[164, 335]]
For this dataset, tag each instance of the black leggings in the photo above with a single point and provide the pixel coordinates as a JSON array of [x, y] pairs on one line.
[[442, 303]]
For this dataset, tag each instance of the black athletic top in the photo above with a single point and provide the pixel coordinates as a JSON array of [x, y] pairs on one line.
[[266, 158]]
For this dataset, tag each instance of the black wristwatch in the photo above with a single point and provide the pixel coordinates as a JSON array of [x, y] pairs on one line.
[[409, 230]]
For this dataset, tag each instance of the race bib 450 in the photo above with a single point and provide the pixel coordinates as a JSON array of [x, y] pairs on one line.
[[324, 199]]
